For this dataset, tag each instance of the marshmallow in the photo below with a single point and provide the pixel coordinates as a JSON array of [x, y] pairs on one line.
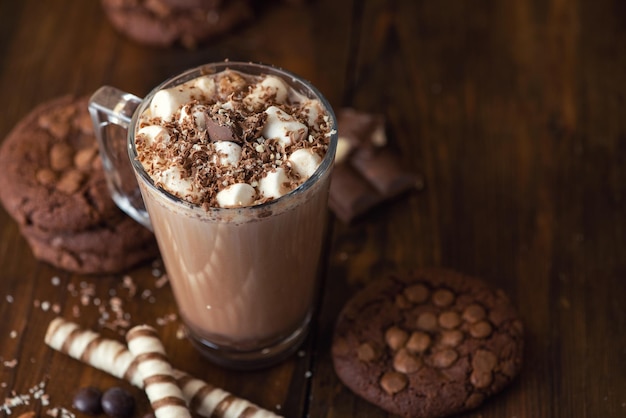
[[195, 113], [235, 195], [228, 153], [154, 134], [167, 101], [205, 84], [173, 180], [313, 109], [270, 86], [275, 184], [304, 162], [281, 126]]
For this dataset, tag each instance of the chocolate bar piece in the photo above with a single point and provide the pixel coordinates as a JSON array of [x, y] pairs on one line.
[[350, 195], [366, 172], [382, 170], [361, 129]]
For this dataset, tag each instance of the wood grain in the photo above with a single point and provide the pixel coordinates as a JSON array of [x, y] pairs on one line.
[[514, 113]]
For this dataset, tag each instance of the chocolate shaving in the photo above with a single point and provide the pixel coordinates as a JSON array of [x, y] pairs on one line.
[[228, 117]]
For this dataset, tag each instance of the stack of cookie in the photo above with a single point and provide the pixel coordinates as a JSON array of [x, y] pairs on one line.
[[165, 23], [52, 183]]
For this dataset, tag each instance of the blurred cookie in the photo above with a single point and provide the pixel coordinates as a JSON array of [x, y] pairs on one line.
[[113, 246], [165, 23], [53, 184], [51, 173], [429, 344]]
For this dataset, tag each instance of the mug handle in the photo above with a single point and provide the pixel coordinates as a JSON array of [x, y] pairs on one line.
[[111, 111]]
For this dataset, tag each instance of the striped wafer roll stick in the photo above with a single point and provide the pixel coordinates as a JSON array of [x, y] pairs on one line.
[[90, 347], [210, 401], [112, 357], [159, 383]]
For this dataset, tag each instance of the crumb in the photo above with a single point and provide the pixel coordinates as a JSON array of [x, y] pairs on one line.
[[10, 363]]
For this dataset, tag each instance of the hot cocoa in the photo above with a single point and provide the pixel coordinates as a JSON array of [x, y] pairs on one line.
[[236, 168]]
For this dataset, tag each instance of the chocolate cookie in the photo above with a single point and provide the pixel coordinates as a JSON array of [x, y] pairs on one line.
[[112, 247], [51, 173], [164, 23], [53, 185], [429, 344]]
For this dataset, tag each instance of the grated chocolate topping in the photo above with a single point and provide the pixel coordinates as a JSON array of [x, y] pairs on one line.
[[190, 164]]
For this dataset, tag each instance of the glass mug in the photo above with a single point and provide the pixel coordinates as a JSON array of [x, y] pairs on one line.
[[244, 279]]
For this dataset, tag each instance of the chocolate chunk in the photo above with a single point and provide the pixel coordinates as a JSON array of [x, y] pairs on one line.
[[417, 293], [87, 400], [70, 182], [350, 196], [117, 402], [443, 298], [418, 342], [45, 176], [393, 382], [474, 313], [445, 358], [219, 132], [83, 159], [481, 329], [449, 320], [61, 156], [481, 379], [405, 362], [451, 338], [396, 338], [367, 352], [382, 170], [427, 321]]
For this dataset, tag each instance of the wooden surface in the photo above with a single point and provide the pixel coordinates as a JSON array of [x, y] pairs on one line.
[[514, 112]]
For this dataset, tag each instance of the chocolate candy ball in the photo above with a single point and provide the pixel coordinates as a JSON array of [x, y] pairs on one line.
[[117, 402], [87, 400]]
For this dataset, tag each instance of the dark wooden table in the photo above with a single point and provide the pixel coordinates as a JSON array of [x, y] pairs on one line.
[[513, 111]]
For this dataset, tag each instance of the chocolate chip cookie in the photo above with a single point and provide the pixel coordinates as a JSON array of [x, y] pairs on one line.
[[430, 343], [51, 173], [52, 183], [165, 23], [112, 247]]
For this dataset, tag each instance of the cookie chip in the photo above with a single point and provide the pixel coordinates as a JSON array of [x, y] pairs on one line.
[[112, 247], [51, 173], [429, 344], [165, 23]]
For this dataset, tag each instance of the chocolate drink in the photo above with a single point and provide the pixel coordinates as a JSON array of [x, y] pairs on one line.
[[242, 283], [237, 170]]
